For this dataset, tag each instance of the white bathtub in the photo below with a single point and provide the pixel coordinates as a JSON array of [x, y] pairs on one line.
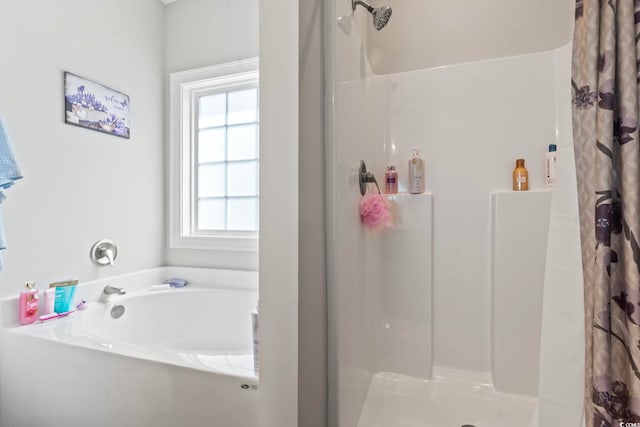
[[176, 357]]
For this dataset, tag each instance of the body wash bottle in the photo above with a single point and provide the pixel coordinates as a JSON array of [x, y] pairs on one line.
[[520, 177], [29, 299], [416, 173], [391, 180], [550, 160]]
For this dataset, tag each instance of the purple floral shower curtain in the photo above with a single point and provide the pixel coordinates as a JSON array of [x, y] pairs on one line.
[[605, 77]]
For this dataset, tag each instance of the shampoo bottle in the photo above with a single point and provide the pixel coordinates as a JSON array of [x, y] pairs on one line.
[[550, 160], [520, 177], [28, 304], [416, 173]]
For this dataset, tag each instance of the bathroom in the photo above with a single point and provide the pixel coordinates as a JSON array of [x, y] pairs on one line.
[[339, 305]]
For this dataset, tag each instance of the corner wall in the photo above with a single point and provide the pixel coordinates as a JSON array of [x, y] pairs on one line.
[[312, 310], [79, 185]]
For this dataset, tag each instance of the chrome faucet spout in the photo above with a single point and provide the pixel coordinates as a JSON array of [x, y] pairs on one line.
[[111, 290]]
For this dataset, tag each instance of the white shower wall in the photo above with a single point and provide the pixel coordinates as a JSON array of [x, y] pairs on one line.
[[471, 121], [427, 34]]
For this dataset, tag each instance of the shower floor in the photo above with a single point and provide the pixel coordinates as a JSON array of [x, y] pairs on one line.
[[451, 399]]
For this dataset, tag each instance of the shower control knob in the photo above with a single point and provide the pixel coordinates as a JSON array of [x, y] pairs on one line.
[[103, 252]]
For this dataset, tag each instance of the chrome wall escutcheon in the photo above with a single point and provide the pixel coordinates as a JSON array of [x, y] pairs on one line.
[[103, 252], [365, 177]]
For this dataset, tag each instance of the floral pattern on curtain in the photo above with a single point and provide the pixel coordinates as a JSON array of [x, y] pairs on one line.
[[605, 84]]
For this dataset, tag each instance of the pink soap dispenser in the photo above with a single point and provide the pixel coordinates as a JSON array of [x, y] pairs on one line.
[[29, 304]]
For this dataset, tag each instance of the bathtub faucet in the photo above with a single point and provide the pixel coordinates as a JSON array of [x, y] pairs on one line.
[[110, 290]]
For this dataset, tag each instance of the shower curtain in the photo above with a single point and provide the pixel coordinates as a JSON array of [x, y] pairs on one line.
[[605, 86]]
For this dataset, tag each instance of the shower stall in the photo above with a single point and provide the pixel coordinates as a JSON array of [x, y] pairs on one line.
[[468, 311]]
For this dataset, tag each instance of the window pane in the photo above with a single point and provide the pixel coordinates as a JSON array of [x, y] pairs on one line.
[[211, 180], [243, 142], [243, 179], [243, 106], [211, 214], [242, 214], [212, 110], [211, 145]]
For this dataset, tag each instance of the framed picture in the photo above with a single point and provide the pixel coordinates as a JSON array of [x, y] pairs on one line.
[[94, 106]]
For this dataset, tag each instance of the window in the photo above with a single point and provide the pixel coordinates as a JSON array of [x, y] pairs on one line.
[[214, 156]]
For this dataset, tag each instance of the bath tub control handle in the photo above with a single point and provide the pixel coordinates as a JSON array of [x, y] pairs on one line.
[[104, 252]]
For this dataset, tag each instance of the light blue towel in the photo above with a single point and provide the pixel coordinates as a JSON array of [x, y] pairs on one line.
[[9, 173]]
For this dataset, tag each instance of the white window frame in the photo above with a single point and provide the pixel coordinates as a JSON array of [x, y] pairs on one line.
[[184, 88]]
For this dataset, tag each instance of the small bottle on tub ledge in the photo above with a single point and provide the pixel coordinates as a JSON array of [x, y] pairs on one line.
[[29, 300], [520, 177]]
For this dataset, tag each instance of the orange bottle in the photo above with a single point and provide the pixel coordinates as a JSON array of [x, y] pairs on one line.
[[520, 177]]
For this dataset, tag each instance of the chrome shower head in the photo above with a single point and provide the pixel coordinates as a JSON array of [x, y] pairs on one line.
[[381, 15]]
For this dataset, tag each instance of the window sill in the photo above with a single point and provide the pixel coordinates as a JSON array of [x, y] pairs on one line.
[[219, 243]]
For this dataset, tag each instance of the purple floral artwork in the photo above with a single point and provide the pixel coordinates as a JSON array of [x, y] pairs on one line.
[[94, 106]]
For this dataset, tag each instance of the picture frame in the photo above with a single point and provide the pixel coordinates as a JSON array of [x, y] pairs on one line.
[[97, 107]]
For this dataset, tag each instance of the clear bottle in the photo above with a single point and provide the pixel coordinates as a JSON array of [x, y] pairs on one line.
[[29, 300], [391, 180], [416, 173], [550, 160], [49, 300], [256, 339], [520, 176]]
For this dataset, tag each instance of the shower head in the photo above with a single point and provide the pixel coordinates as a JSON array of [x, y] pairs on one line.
[[381, 15]]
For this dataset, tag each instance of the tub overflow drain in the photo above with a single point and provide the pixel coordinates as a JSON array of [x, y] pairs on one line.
[[248, 387], [117, 311]]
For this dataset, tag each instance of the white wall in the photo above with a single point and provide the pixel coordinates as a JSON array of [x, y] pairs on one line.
[[79, 185], [279, 212], [469, 144], [428, 34], [312, 317], [201, 33]]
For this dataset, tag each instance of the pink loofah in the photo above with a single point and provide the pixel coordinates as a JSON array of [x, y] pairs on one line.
[[374, 212]]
